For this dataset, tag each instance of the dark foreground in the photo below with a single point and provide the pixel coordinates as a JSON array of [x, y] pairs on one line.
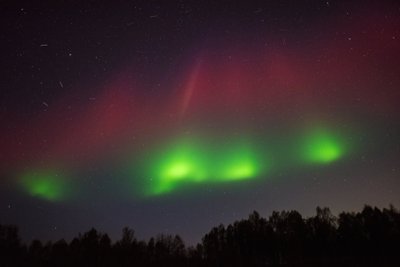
[[367, 238]]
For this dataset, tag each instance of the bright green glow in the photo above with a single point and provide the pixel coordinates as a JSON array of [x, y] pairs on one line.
[[323, 147], [178, 164], [46, 185], [238, 163], [190, 162], [178, 170], [245, 170]]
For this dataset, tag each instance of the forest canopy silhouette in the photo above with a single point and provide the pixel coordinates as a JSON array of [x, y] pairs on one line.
[[367, 238]]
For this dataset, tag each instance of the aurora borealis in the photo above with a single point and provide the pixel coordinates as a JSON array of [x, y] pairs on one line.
[[322, 147], [176, 116], [46, 185], [202, 161], [199, 162]]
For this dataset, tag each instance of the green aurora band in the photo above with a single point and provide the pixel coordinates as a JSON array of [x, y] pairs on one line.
[[193, 162], [48, 185], [187, 162]]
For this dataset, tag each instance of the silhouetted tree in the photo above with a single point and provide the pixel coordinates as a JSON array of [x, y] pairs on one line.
[[367, 238], [10, 246], [36, 254]]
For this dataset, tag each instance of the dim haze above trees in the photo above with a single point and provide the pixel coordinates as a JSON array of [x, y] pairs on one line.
[[367, 238]]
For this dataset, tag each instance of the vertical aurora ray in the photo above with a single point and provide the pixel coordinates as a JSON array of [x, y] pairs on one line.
[[48, 185]]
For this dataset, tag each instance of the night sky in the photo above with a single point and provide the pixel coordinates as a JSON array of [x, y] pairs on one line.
[[176, 116]]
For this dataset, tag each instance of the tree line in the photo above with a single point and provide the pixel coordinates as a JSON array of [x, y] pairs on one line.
[[370, 237]]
